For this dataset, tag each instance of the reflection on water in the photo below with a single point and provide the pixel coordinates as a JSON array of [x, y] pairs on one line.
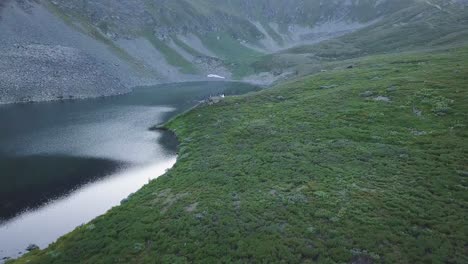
[[77, 208], [38, 179], [64, 163]]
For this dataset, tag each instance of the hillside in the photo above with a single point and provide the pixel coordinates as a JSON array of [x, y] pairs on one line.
[[354, 153], [143, 42], [423, 26], [353, 165]]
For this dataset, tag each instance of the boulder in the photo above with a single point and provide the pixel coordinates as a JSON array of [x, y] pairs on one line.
[[366, 94], [32, 247]]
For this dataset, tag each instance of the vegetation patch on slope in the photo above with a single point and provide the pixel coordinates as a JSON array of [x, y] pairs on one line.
[[359, 165], [236, 56]]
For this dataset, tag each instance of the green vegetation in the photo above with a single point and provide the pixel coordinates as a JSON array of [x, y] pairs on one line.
[[363, 165], [237, 57]]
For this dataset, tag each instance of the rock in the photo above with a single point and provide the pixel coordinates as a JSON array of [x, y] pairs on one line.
[[199, 216], [191, 208], [417, 112], [404, 156], [418, 133], [328, 86], [382, 99], [32, 247], [392, 89], [137, 247], [214, 100], [366, 94]]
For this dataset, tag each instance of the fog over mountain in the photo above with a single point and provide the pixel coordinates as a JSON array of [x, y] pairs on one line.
[[112, 46]]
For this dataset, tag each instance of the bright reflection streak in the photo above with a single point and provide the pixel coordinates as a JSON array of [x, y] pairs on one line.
[[64, 215]]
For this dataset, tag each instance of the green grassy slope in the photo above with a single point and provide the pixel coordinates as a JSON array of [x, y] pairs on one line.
[[236, 56], [361, 165]]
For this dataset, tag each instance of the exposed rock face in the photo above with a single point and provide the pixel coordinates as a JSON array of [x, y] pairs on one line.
[[42, 72]]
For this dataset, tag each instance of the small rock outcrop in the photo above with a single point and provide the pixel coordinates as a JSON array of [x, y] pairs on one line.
[[382, 99], [366, 94], [213, 100], [32, 247]]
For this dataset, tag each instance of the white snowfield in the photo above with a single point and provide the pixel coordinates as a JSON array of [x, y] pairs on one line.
[[215, 76]]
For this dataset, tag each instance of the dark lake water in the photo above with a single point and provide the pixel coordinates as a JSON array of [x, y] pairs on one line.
[[64, 163]]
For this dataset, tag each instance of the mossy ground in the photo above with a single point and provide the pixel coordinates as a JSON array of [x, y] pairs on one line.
[[361, 165]]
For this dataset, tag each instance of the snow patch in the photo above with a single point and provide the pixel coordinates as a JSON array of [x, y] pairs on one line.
[[215, 76]]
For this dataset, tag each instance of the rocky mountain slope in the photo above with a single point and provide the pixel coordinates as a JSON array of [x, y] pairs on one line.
[[123, 44], [52, 72]]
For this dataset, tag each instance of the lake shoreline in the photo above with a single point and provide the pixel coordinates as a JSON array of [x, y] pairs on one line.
[[131, 90], [126, 119]]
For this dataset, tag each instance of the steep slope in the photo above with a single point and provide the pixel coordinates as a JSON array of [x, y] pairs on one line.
[[361, 165], [152, 41]]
